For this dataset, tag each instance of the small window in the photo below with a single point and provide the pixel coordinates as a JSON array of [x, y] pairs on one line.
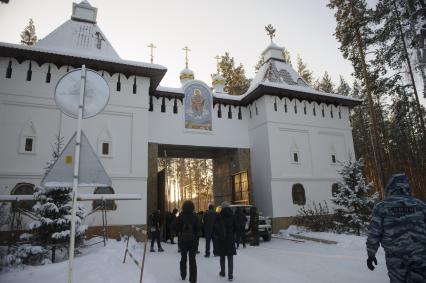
[[109, 204], [105, 148], [334, 189], [298, 194], [296, 157], [29, 142], [333, 159]]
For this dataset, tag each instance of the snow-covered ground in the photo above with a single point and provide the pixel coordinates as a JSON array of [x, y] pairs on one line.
[[275, 261]]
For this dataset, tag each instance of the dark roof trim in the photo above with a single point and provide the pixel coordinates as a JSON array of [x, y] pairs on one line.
[[59, 60], [261, 90]]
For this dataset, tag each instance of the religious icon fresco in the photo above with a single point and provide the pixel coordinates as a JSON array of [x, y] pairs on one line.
[[198, 107]]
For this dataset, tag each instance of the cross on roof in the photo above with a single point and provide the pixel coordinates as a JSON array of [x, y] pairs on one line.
[[186, 49], [217, 63], [152, 46], [270, 31]]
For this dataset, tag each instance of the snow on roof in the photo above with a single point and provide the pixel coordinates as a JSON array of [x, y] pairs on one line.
[[227, 96], [278, 74], [81, 55]]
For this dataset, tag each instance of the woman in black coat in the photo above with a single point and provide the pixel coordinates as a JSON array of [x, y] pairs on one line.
[[225, 229]]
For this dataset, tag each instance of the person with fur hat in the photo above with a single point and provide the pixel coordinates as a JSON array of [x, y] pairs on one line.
[[399, 224], [224, 232], [187, 228]]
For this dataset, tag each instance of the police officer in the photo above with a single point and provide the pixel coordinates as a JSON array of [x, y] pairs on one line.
[[398, 224]]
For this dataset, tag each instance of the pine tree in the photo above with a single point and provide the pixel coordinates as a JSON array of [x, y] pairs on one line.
[[286, 56], [354, 32], [354, 198], [326, 84], [53, 210], [303, 71], [343, 88], [236, 82], [28, 35]]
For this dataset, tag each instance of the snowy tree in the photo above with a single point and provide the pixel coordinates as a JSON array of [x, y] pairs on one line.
[[303, 71], [28, 35], [354, 198], [236, 82], [53, 210], [326, 84]]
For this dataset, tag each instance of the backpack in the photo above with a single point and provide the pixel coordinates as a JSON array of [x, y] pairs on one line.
[[187, 233]]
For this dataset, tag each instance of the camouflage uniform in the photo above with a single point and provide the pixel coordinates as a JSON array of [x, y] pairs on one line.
[[398, 224]]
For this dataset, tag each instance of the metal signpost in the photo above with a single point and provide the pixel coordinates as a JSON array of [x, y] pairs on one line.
[[85, 101]]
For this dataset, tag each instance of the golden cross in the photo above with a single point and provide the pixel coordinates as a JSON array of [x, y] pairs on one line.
[[186, 49], [152, 46], [217, 63]]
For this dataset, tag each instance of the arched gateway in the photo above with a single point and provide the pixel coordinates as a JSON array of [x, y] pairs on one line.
[[277, 134]]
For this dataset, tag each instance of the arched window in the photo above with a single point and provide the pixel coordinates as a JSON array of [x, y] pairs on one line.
[[298, 193], [334, 189], [23, 189], [109, 204]]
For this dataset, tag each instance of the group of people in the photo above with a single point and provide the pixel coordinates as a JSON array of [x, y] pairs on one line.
[[223, 230]]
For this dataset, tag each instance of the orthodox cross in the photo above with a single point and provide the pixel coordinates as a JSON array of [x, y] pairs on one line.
[[152, 46], [99, 39], [186, 49], [217, 63], [270, 31]]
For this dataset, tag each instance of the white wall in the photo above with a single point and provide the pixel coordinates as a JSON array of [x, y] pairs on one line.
[[125, 117], [315, 138], [169, 128]]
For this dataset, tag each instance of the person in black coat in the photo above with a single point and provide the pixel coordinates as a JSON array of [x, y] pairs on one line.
[[254, 226], [240, 220], [209, 220], [155, 228], [225, 229], [187, 228], [169, 229]]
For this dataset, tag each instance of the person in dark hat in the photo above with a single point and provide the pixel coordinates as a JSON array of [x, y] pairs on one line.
[[187, 228]]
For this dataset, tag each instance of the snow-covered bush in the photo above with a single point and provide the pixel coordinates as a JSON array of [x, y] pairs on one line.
[[23, 254], [316, 217], [354, 199], [53, 209]]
